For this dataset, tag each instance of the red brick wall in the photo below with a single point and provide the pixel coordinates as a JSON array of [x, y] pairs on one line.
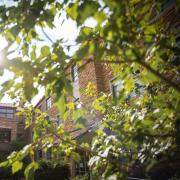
[[10, 124], [104, 76], [98, 74]]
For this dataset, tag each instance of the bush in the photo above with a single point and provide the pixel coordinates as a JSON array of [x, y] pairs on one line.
[[47, 171]]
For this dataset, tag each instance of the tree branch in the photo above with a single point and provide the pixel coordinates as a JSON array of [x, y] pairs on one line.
[[46, 35], [89, 151], [149, 68], [160, 76]]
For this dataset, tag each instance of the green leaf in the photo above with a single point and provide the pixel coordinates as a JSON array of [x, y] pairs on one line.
[[147, 77], [45, 51], [80, 122], [87, 9], [100, 17], [76, 157], [18, 40], [86, 32], [77, 114], [30, 169], [82, 52], [16, 166], [4, 164], [66, 115], [129, 84], [68, 86], [33, 52], [72, 10], [61, 104], [150, 30]]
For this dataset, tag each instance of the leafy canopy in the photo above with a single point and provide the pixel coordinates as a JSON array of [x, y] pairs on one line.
[[138, 48]]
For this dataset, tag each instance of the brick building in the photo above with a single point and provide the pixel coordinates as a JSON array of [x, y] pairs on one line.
[[11, 126], [100, 76]]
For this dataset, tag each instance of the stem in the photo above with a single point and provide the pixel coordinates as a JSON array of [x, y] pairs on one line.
[[46, 35], [157, 74]]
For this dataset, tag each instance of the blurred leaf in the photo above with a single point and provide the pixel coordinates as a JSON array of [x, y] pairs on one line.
[[72, 10], [16, 166], [45, 51], [61, 104], [30, 169], [129, 84]]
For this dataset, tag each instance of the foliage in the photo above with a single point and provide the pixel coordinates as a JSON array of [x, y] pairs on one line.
[[134, 131], [18, 144], [83, 177], [47, 171]]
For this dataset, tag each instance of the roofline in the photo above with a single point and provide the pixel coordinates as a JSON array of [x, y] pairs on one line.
[[10, 105], [37, 104]]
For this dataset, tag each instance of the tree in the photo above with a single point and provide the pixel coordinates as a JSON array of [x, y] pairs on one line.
[[142, 130]]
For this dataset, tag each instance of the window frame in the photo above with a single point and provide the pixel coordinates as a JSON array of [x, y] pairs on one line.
[[48, 103], [76, 103], [58, 119], [80, 170], [6, 140], [74, 72], [115, 82], [132, 94], [7, 112]]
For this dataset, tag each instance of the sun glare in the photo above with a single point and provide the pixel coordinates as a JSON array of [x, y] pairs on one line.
[[3, 43]]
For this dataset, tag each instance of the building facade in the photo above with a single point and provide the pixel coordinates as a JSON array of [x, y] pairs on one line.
[[101, 76], [92, 72], [12, 127]]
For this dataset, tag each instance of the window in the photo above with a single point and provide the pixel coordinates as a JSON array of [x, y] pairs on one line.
[[20, 119], [7, 113], [58, 120], [117, 85], [48, 118], [40, 154], [74, 72], [49, 154], [19, 135], [48, 103], [5, 135], [76, 104], [81, 167]]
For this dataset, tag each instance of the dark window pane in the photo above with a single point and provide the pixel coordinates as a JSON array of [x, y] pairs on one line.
[[48, 154], [74, 72], [48, 118], [5, 135], [39, 154], [59, 120], [116, 87], [48, 103], [76, 103]]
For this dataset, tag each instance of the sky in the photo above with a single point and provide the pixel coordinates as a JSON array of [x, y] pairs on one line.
[[68, 31]]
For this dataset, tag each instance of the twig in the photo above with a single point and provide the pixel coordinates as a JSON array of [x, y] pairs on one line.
[[46, 35], [124, 166], [157, 74]]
